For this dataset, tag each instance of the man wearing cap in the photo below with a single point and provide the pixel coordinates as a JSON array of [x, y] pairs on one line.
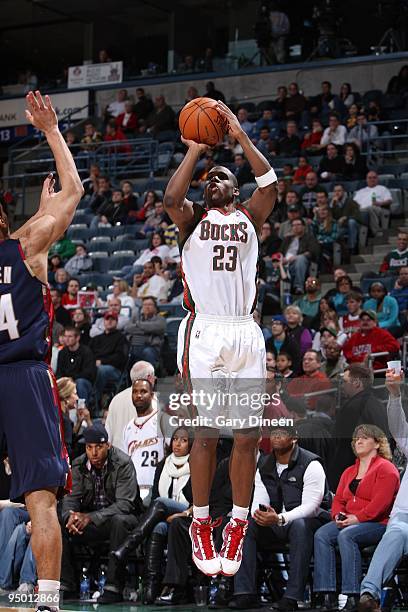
[[80, 262], [294, 211], [280, 341], [299, 249], [309, 303], [114, 304], [370, 339], [290, 502], [111, 351], [102, 507]]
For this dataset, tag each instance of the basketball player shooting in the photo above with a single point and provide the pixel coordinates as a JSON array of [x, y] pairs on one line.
[[218, 339], [29, 415]]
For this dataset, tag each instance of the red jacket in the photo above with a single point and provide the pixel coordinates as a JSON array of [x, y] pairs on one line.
[[300, 385], [378, 340], [131, 124], [375, 494]]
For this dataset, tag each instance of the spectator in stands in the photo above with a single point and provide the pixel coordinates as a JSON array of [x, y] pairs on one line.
[[280, 341], [127, 121], [309, 303], [331, 166], [292, 516], [104, 57], [70, 298], [121, 409], [289, 145], [101, 195], [353, 112], [211, 92], [393, 544], [311, 141], [397, 258], [268, 120], [157, 247], [114, 134], [80, 262], [299, 249], [351, 322], [346, 95], [154, 282], [82, 322], [370, 339], [374, 202], [104, 505], [293, 211], [71, 140], [280, 101], [113, 211], [61, 278], [110, 351], [325, 305], [307, 194], [312, 380], [145, 333], [329, 329], [64, 247], [62, 315], [326, 232], [362, 132], [385, 307], [295, 103], [54, 263], [355, 167], [334, 134], [326, 103], [91, 138], [246, 125], [161, 119], [155, 220], [242, 170], [144, 105], [303, 168], [360, 510], [17, 560], [117, 107], [121, 291], [114, 304], [346, 213], [284, 365], [334, 364], [187, 65], [400, 291], [67, 392], [200, 175], [268, 241], [264, 142], [399, 84], [205, 63], [295, 328], [344, 285], [177, 289], [76, 361]]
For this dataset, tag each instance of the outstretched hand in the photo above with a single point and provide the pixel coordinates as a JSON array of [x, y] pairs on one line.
[[234, 126], [191, 144], [39, 113]]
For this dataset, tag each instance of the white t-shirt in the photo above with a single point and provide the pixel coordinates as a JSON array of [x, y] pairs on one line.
[[156, 286], [116, 108], [293, 248], [364, 197], [338, 137], [161, 251]]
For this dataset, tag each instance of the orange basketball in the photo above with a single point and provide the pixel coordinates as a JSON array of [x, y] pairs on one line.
[[200, 121]]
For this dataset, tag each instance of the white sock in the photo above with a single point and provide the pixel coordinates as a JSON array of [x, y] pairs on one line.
[[239, 513], [50, 590], [201, 512]]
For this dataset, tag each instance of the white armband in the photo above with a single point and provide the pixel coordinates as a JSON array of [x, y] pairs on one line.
[[266, 179]]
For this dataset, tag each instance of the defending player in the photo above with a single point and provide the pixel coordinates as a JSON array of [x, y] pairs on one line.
[[29, 416], [219, 341]]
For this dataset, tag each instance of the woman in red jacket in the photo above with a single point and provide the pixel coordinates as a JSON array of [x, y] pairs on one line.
[[360, 510]]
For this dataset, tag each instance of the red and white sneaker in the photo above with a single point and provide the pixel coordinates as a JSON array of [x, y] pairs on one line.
[[202, 544], [231, 550]]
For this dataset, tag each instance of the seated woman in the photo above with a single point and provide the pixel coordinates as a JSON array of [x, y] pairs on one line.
[[385, 306], [330, 328], [157, 246], [326, 233], [360, 510], [171, 497], [296, 330]]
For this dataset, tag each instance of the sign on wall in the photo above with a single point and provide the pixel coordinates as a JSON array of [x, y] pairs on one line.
[[12, 111], [95, 74]]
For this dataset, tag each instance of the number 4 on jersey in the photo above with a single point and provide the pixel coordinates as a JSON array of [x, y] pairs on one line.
[[8, 321]]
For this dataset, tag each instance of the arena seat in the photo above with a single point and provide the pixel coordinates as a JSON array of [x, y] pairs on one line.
[[100, 264], [246, 190], [82, 233], [109, 231]]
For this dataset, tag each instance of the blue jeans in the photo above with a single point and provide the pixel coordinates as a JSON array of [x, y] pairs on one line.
[[84, 389], [144, 353], [349, 540], [17, 558], [389, 552], [172, 507], [351, 229], [9, 519], [298, 270], [105, 374]]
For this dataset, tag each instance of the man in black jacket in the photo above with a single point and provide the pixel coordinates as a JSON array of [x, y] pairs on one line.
[[359, 406], [242, 170], [280, 341], [104, 505], [299, 249], [77, 361], [290, 502], [110, 350]]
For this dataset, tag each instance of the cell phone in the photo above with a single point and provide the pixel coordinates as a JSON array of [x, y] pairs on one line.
[[263, 508], [341, 516]]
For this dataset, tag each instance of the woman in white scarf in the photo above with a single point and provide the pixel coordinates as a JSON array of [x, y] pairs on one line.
[[172, 496]]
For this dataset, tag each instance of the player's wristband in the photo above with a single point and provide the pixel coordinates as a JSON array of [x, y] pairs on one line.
[[266, 179]]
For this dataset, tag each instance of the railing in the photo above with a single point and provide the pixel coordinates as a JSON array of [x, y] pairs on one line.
[[381, 145]]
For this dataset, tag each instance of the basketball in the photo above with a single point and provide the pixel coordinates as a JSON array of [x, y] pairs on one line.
[[200, 121]]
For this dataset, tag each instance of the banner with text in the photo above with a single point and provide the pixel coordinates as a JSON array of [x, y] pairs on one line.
[[12, 112], [95, 74]]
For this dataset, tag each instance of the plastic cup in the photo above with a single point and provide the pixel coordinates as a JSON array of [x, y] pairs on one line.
[[394, 365], [200, 595]]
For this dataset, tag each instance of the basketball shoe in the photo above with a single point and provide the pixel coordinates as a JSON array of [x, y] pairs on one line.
[[231, 550], [204, 554]]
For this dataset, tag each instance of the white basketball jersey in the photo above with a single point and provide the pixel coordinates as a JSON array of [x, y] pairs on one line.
[[219, 261], [142, 440]]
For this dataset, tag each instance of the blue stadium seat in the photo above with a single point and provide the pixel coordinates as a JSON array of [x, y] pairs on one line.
[[94, 278], [172, 327], [79, 234], [132, 230], [101, 264], [99, 241], [172, 310], [247, 190], [109, 231], [127, 245], [117, 262], [265, 105]]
